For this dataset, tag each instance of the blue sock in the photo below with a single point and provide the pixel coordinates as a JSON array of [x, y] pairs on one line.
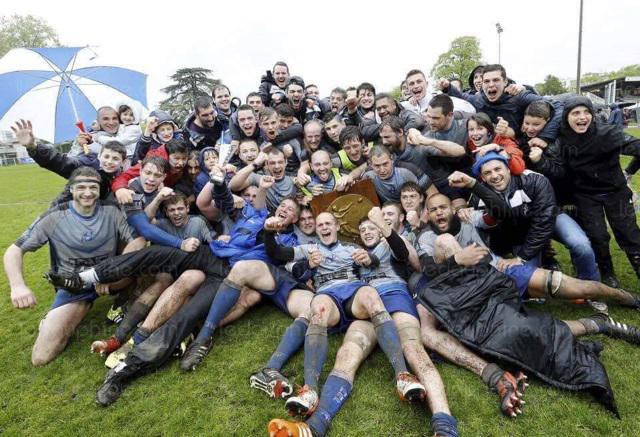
[[316, 345], [291, 341], [140, 335], [444, 425], [226, 296], [389, 341], [335, 393]]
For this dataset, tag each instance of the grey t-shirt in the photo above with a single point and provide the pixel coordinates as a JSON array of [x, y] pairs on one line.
[[282, 189], [304, 238], [457, 133], [383, 252], [389, 189], [335, 258], [76, 241], [467, 235], [196, 227]]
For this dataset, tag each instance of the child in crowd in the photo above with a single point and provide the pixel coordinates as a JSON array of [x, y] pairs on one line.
[[160, 129], [484, 137], [129, 125]]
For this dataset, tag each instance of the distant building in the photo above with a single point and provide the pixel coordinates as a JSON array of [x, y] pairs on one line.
[[622, 89], [11, 152]]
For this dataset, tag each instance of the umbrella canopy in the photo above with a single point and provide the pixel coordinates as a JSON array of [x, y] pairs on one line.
[[55, 87]]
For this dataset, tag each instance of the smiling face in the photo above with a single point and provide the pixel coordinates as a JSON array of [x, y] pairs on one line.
[[222, 99], [353, 148], [479, 135], [306, 222], [417, 85], [248, 152], [321, 165], [493, 85], [108, 120], [393, 217], [281, 75], [496, 173], [390, 138], [312, 136], [85, 193], [366, 99], [327, 228], [177, 213], [165, 132], [440, 212], [206, 116], [210, 159], [127, 117], [110, 161], [532, 126], [287, 211], [369, 233], [247, 122], [385, 107], [151, 177], [579, 119]]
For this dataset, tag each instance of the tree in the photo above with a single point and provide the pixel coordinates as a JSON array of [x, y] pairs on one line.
[[463, 56], [189, 84], [19, 31], [551, 86]]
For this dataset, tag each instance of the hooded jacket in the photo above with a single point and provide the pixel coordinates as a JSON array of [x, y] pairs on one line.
[[591, 161], [147, 144]]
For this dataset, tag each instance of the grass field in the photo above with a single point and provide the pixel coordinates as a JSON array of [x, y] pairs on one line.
[[58, 399]]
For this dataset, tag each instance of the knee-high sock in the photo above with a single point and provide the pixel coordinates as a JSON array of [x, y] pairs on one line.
[[316, 345], [444, 425], [291, 341], [389, 341], [227, 295], [135, 315], [335, 392]]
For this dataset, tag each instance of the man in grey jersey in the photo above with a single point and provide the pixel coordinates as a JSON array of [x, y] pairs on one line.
[[80, 234]]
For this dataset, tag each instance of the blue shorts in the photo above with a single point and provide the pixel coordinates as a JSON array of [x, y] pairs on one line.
[[396, 298], [521, 274], [340, 295], [285, 282], [64, 297]]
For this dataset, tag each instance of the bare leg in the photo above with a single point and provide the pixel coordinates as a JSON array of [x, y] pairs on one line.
[[571, 288], [173, 298], [447, 345], [419, 361], [55, 330], [248, 298]]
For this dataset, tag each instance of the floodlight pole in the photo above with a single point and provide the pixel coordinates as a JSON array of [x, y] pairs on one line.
[[579, 50], [499, 30]]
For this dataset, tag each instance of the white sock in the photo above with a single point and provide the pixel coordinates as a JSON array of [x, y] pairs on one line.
[[89, 276]]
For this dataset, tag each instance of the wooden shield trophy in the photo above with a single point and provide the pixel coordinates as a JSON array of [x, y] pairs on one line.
[[348, 207]]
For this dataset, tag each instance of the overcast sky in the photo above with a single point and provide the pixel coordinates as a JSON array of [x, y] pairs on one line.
[[341, 43]]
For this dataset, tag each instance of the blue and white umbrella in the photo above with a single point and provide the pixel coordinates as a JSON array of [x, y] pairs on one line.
[[57, 87]]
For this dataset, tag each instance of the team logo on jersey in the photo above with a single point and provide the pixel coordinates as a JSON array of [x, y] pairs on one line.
[[88, 235]]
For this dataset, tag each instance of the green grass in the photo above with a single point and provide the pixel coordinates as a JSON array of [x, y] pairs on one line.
[[216, 400]]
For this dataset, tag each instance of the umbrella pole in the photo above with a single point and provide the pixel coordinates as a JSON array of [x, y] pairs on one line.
[[79, 123]]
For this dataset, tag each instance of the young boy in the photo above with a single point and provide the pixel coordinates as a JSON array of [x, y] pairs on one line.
[[160, 130]]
